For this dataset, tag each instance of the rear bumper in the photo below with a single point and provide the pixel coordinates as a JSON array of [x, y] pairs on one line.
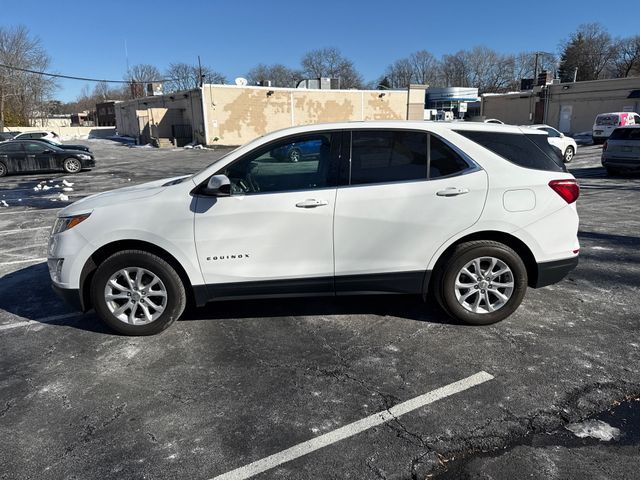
[[552, 272], [71, 296], [621, 162]]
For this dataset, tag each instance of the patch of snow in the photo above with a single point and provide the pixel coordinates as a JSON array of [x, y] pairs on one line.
[[56, 186], [4, 204], [67, 189], [594, 429], [67, 183], [46, 187], [62, 197]]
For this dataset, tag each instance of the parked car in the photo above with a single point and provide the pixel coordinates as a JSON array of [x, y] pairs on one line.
[[65, 146], [36, 135], [296, 152], [605, 123], [18, 156], [4, 136], [566, 145], [474, 213], [621, 151]]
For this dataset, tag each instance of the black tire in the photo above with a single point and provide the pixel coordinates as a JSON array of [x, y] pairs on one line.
[[569, 151], [176, 298], [598, 140], [611, 172], [445, 278], [72, 165], [3, 169], [294, 155]]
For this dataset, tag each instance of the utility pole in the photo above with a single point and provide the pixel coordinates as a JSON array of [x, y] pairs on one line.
[[200, 72], [535, 69]]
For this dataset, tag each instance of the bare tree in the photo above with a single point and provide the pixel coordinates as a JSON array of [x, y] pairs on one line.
[[279, 75], [23, 95], [182, 76], [329, 62], [400, 73], [138, 76], [589, 50], [525, 65], [626, 57], [454, 70], [425, 67]]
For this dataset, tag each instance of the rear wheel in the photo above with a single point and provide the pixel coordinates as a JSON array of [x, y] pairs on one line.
[[72, 165], [568, 154], [137, 293], [481, 282], [3, 169]]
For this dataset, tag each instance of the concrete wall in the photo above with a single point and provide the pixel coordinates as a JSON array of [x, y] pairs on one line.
[[512, 108], [580, 102], [236, 115], [155, 115], [70, 133]]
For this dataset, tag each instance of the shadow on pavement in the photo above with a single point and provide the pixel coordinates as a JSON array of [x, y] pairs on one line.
[[27, 293]]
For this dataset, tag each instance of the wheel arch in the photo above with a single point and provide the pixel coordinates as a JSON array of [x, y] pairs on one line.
[[521, 248], [105, 251]]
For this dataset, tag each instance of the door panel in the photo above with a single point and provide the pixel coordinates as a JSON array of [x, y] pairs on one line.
[[274, 234], [265, 237], [398, 227]]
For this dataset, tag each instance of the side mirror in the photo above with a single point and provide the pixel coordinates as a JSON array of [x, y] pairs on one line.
[[217, 186], [561, 135]]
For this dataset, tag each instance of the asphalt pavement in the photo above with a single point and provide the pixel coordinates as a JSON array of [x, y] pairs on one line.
[[338, 388]]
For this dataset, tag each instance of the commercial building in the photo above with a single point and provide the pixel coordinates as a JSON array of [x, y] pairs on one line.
[[233, 115], [106, 113], [460, 101], [569, 107]]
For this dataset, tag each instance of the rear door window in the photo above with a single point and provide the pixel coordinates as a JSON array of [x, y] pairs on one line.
[[444, 161], [526, 150], [383, 156]]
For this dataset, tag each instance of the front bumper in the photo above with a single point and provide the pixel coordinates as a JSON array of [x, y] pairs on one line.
[[71, 296], [552, 272], [88, 163]]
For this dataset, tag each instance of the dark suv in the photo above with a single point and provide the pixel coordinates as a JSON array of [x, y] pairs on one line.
[[621, 151]]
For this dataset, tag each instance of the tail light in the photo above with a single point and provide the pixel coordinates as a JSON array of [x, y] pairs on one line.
[[604, 147], [567, 189]]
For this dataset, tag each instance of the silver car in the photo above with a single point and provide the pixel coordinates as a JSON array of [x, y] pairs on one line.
[[621, 151]]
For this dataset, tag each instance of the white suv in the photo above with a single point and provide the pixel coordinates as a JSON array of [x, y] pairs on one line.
[[471, 212]]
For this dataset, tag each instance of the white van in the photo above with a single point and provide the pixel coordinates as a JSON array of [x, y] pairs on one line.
[[472, 212], [605, 123]]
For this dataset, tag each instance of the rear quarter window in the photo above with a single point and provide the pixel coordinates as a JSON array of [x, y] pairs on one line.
[[525, 150]]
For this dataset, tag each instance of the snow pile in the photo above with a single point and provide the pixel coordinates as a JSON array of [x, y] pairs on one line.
[[195, 146], [63, 198], [594, 429], [67, 183], [67, 189], [3, 203]]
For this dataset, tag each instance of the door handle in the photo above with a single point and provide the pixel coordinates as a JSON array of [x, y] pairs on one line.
[[311, 203], [452, 192]]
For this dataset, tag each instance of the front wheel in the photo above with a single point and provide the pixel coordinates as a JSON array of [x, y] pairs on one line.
[[295, 155], [72, 165], [481, 282], [137, 293], [568, 154], [3, 169]]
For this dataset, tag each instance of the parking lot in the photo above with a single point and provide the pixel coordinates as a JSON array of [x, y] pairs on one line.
[[310, 388]]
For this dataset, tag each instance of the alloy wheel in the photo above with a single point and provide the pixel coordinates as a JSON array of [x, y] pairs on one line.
[[484, 285], [135, 296]]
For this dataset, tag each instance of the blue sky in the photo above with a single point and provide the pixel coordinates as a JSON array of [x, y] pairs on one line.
[[87, 38]]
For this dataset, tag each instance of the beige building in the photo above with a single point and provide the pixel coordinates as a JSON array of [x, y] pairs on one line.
[[569, 107], [233, 115]]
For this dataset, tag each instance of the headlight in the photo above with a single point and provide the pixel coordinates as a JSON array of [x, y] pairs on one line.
[[65, 223], [82, 156]]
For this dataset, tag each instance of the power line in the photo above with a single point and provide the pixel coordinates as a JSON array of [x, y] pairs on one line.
[[85, 79]]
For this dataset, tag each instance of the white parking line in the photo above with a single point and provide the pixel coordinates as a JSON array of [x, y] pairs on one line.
[[27, 260], [9, 326], [354, 428], [18, 230]]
